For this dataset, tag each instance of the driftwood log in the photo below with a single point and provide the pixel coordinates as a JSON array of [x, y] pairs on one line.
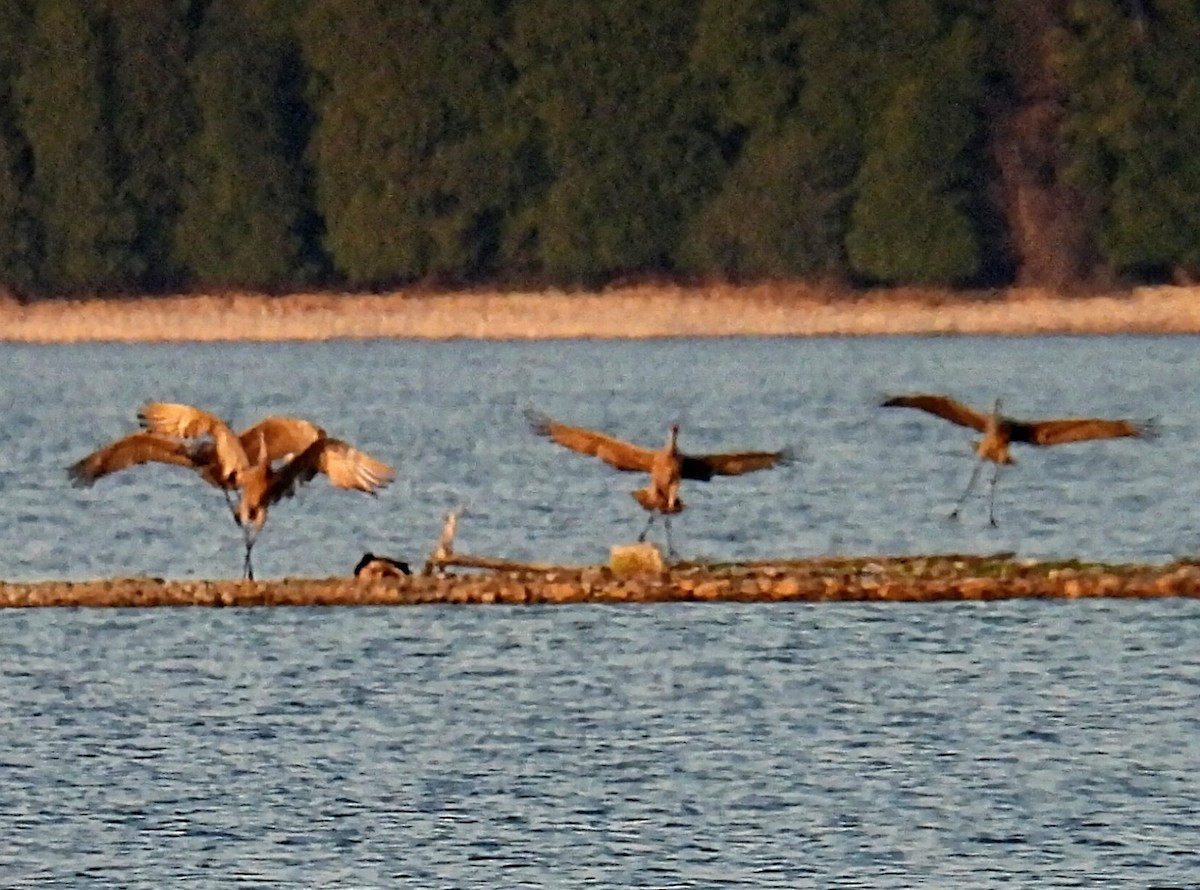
[[443, 555]]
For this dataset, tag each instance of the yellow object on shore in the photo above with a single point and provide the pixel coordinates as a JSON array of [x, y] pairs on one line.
[[634, 559]]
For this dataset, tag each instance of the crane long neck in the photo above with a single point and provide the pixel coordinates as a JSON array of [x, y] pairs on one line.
[[994, 420]]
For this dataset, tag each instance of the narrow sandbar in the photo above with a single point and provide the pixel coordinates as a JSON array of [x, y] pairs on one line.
[[895, 579]]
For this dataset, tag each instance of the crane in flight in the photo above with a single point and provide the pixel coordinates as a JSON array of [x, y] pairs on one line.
[[667, 466], [259, 467], [1000, 431]]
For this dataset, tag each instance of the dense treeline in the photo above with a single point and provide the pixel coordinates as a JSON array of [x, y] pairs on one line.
[[169, 145]]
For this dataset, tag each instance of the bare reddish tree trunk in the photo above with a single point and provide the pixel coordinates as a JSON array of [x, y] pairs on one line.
[[1047, 219]]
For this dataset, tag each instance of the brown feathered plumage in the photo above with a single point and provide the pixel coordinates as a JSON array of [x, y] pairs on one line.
[[667, 466], [346, 467], [269, 440], [1000, 431], [265, 462], [131, 451], [1007, 429]]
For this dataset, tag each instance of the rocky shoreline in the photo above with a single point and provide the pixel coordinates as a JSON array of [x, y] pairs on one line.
[[882, 579]]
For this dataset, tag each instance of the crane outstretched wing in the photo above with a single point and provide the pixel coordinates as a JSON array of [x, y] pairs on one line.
[[132, 450], [613, 451], [188, 422], [705, 466], [346, 467], [275, 438], [941, 406], [1076, 429]]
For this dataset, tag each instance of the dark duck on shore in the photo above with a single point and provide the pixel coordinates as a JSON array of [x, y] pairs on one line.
[[372, 567]]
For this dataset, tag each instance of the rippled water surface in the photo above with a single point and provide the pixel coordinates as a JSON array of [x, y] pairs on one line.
[[449, 416], [1047, 744]]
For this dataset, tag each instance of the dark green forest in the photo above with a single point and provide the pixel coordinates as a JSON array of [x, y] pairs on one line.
[[165, 146]]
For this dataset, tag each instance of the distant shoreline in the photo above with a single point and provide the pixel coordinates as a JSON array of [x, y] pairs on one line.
[[931, 578], [632, 312]]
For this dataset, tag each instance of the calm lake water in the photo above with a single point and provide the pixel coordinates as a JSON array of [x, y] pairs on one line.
[[449, 417], [1047, 744]]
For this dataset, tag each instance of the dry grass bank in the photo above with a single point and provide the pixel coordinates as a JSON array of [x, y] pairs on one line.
[[636, 311]]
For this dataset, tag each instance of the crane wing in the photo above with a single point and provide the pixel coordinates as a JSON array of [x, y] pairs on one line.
[[275, 438], [174, 419], [705, 466], [1076, 429], [346, 467], [134, 449], [941, 406], [614, 452], [192, 423]]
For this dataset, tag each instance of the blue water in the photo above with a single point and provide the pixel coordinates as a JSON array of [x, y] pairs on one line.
[[449, 417], [1030, 744]]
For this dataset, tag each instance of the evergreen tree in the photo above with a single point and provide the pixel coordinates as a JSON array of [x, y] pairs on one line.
[[418, 161], [909, 223], [151, 115], [243, 217], [747, 53], [20, 245], [88, 230], [629, 137], [773, 216], [775, 213], [851, 51], [1133, 129]]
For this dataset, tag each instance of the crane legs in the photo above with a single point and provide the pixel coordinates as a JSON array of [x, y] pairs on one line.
[[966, 493], [247, 569], [646, 530], [992, 496], [991, 493], [249, 534], [671, 554]]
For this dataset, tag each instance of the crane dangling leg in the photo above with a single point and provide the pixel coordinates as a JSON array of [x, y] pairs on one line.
[[229, 502], [671, 554], [646, 530], [249, 535], [992, 497], [970, 485]]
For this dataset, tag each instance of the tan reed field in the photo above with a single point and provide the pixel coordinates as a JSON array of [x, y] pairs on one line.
[[632, 311]]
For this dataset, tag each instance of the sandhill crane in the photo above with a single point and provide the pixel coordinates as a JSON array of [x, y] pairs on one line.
[[999, 431], [666, 466], [246, 463], [213, 452]]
